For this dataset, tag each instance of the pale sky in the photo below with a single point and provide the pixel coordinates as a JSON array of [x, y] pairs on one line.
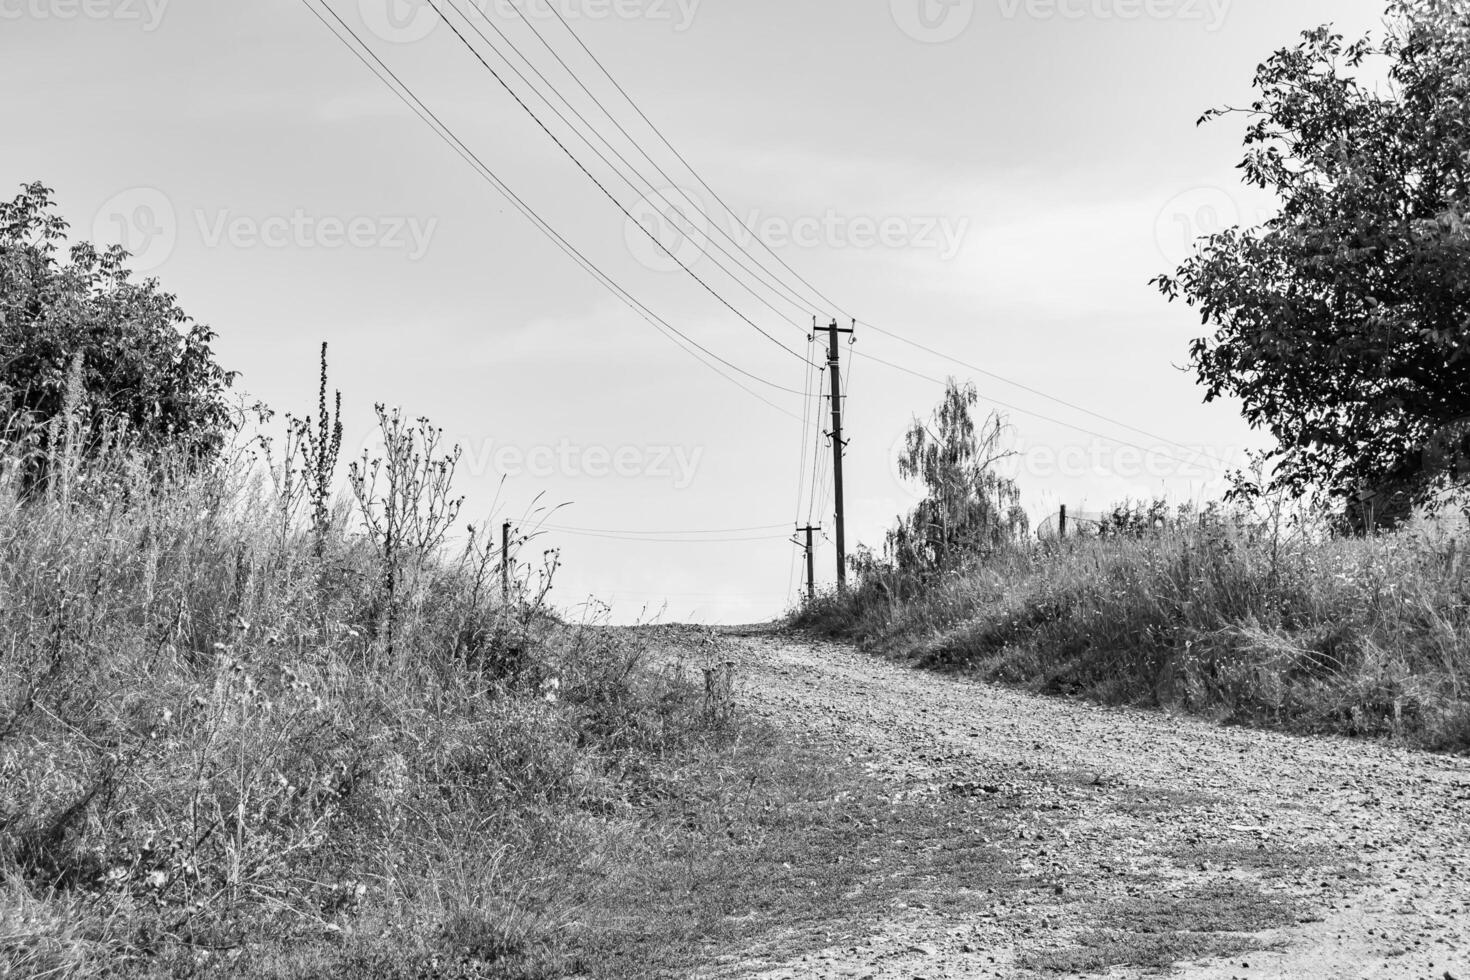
[[995, 179]]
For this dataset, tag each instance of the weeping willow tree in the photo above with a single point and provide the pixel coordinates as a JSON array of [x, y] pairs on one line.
[[970, 508]]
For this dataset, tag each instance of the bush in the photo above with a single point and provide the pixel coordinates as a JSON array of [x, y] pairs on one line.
[[87, 348]]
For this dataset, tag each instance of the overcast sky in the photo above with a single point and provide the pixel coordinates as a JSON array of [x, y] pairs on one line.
[[995, 179]]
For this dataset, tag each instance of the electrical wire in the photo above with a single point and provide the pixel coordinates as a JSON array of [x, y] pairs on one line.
[[775, 283], [1035, 415], [1035, 391], [602, 530], [405, 94], [631, 539], [600, 186], [672, 149], [815, 291], [615, 152], [806, 407]]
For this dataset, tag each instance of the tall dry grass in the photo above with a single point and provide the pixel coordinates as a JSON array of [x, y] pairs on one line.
[[229, 746], [1255, 620]]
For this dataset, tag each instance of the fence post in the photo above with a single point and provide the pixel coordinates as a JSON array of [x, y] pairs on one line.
[[1062, 524], [505, 563]]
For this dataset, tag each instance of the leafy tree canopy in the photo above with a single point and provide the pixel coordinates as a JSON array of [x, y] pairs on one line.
[[137, 358], [1343, 323]]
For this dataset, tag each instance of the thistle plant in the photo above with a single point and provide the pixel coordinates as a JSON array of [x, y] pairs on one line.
[[407, 502]]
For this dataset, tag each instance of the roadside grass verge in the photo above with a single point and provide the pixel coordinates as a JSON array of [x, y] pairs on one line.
[[1234, 620], [233, 744]]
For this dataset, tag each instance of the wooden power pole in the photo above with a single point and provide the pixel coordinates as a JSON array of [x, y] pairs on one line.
[[811, 566], [834, 364]]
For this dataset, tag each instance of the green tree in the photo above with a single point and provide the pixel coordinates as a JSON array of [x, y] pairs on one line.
[[969, 508], [84, 328], [1341, 324]]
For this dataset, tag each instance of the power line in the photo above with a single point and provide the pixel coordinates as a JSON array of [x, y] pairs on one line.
[[600, 186], [672, 149], [667, 143], [601, 530], [1035, 391], [775, 283], [605, 142], [819, 458], [638, 539], [801, 466], [1036, 415], [405, 94]]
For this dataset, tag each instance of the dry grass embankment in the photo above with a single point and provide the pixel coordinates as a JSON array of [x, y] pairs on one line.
[[1235, 619]]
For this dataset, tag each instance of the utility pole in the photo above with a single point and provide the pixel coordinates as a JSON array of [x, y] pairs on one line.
[[811, 567], [505, 563], [834, 364]]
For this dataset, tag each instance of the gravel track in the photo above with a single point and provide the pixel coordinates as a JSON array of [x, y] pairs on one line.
[[1366, 841]]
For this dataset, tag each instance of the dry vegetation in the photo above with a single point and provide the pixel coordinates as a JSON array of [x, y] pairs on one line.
[[244, 732], [1249, 618]]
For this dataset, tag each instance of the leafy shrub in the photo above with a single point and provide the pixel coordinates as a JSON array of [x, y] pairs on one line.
[[88, 348]]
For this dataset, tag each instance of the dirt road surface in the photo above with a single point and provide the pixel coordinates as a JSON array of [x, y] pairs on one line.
[[1137, 828]]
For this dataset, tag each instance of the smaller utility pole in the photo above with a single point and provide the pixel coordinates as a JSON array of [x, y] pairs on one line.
[[834, 364], [505, 563], [811, 567]]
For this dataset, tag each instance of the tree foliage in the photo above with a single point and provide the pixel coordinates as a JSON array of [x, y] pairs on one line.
[[1342, 324], [84, 329], [969, 507]]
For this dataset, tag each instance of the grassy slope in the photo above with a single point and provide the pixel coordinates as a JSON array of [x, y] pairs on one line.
[[1243, 622], [214, 762]]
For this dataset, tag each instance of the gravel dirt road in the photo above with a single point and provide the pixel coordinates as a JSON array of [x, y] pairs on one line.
[[1123, 818]]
